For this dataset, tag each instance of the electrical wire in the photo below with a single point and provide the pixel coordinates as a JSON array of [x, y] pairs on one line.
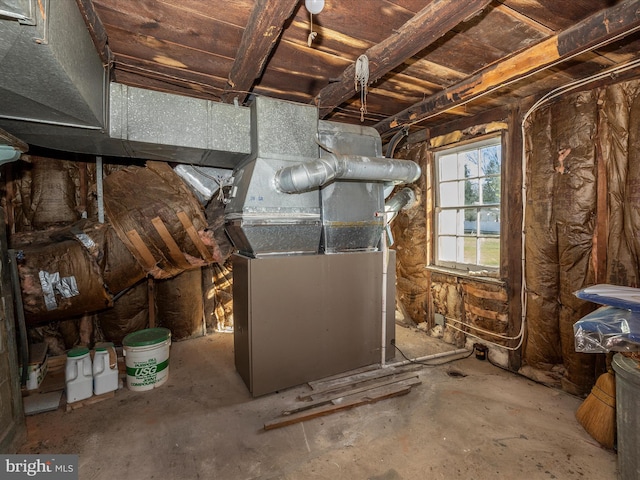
[[482, 330], [431, 364], [488, 341]]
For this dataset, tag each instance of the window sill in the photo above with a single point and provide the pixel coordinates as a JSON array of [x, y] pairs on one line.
[[465, 274]]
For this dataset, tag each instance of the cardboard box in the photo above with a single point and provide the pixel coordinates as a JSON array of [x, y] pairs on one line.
[[37, 368]]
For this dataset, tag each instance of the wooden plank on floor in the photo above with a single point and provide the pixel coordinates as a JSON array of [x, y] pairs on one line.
[[326, 384], [371, 396], [89, 401], [349, 373], [324, 399], [360, 386]]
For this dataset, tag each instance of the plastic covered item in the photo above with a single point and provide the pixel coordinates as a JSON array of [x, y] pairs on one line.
[[608, 329], [627, 298]]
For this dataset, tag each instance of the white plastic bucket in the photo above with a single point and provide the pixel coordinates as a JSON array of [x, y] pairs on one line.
[[105, 369], [78, 374], [146, 354]]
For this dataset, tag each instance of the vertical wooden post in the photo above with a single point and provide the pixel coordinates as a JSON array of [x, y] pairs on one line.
[[601, 232], [511, 240]]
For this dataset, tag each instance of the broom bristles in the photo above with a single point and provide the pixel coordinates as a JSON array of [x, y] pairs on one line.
[[597, 414]]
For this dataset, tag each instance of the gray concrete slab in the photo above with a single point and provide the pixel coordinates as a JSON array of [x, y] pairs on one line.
[[467, 420]]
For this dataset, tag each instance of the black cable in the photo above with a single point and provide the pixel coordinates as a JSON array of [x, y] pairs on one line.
[[431, 364]]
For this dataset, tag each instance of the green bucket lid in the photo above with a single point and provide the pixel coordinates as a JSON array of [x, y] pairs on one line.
[[149, 336], [77, 351], [103, 346]]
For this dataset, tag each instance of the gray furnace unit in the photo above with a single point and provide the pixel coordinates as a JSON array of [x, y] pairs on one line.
[[306, 212]]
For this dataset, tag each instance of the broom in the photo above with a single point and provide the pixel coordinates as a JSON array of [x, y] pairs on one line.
[[597, 414]]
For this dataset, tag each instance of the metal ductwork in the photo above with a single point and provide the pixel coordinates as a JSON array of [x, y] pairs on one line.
[[402, 199], [50, 72], [55, 93], [291, 196], [259, 219], [307, 176]]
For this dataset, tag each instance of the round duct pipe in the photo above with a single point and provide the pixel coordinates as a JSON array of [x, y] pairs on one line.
[[306, 176]]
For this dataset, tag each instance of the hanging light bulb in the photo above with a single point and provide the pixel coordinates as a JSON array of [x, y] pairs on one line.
[[314, 6]]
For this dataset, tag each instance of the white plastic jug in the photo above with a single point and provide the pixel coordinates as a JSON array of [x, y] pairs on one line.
[[78, 374], [105, 369]]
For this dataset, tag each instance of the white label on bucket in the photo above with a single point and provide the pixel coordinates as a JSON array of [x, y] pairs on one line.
[[145, 373]]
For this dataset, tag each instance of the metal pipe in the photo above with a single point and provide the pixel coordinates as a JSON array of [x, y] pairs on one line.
[[306, 176], [400, 200], [385, 273], [433, 356], [99, 189]]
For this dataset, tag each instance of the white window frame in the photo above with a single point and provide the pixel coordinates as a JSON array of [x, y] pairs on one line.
[[459, 233]]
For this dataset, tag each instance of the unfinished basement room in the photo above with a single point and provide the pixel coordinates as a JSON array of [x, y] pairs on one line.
[[320, 239]]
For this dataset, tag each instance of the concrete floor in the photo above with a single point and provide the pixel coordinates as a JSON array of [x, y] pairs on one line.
[[467, 420]]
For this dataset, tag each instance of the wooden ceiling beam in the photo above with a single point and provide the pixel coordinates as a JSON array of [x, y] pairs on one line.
[[604, 27], [427, 26], [260, 36]]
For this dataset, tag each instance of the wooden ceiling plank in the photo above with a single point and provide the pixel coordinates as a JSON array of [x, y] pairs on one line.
[[606, 26], [96, 30], [543, 29], [423, 29], [197, 81], [172, 24], [258, 40]]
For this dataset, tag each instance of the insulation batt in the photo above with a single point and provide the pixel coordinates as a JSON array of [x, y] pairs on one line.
[[565, 140]]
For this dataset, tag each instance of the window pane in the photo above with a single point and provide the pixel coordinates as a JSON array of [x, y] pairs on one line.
[[470, 250], [491, 190], [449, 194], [469, 164], [490, 252], [447, 249], [490, 221], [471, 221], [490, 160], [447, 222], [448, 167], [471, 192]]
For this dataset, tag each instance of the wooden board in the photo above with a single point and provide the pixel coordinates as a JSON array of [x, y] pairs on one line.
[[338, 397], [347, 390], [334, 382], [89, 401], [371, 396]]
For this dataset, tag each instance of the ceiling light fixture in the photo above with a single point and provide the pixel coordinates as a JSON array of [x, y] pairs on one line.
[[313, 7]]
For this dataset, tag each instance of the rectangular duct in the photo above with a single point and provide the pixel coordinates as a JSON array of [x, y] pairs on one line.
[[358, 227], [49, 69], [163, 126], [56, 94], [260, 219]]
